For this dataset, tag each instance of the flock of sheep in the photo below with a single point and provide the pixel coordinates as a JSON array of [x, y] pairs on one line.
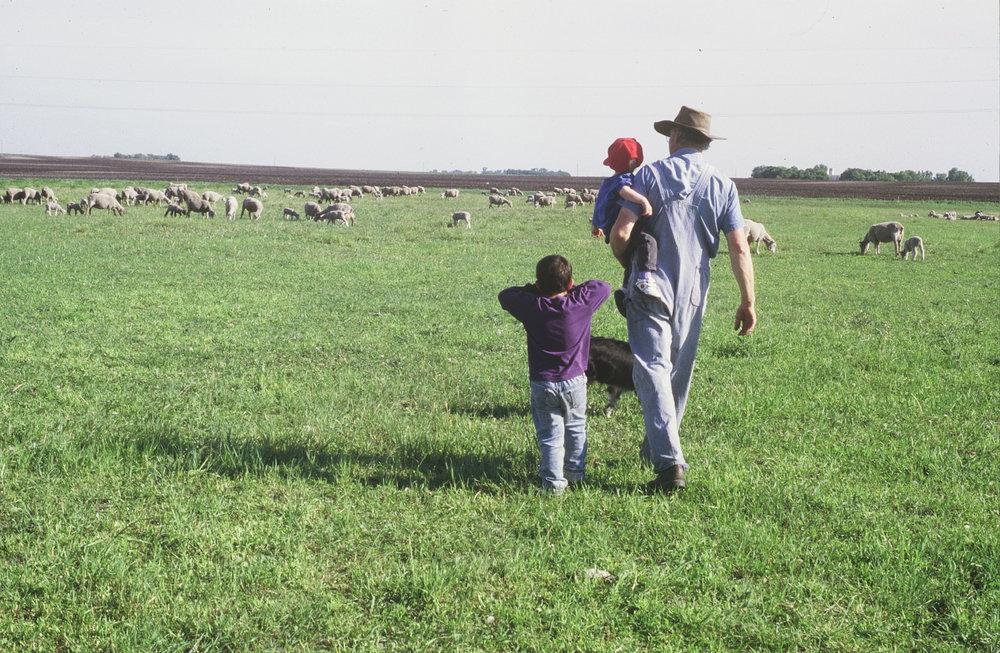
[[180, 200]]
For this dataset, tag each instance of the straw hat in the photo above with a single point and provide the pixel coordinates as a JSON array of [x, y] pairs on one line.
[[692, 119]]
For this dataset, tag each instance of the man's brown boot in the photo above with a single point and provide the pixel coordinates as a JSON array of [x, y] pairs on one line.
[[670, 479]]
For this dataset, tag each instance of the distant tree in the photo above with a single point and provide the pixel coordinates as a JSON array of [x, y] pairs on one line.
[[959, 175], [940, 177]]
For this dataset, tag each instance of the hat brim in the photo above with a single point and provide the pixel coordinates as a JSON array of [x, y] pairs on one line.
[[666, 126]]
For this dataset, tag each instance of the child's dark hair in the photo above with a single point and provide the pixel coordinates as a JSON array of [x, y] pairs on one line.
[[554, 274]]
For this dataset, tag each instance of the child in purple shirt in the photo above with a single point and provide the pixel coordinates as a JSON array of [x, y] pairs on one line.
[[556, 317]]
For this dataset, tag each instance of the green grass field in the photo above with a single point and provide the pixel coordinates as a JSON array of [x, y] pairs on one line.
[[288, 436]]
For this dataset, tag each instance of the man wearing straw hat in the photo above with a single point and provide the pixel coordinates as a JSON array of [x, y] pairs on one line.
[[692, 203]]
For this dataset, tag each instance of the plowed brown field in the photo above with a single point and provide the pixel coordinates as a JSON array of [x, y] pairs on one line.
[[42, 167]]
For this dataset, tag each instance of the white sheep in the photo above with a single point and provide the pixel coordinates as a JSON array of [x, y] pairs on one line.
[[199, 205], [311, 210], [499, 200], [231, 207], [52, 208], [211, 197], [934, 214], [173, 209], [545, 200], [913, 244], [461, 216], [883, 232], [332, 215], [450, 192], [253, 206], [982, 216], [102, 201], [756, 233]]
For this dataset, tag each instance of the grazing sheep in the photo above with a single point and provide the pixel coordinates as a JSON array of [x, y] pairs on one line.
[[253, 206], [951, 215], [153, 195], [291, 214], [545, 200], [499, 200], [102, 201], [52, 208], [30, 194], [913, 244], [231, 207], [884, 232], [756, 233], [212, 197], [300, 193], [311, 210], [982, 216], [258, 191], [461, 216], [331, 215], [588, 198], [199, 205], [74, 207], [128, 196], [934, 214], [48, 194], [173, 209], [451, 192]]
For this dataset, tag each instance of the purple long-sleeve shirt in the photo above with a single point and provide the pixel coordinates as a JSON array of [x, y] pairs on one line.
[[558, 328]]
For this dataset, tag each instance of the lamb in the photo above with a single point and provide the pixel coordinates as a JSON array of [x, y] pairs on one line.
[[173, 209], [48, 194], [242, 188], [934, 214], [53, 208], [72, 207], [913, 244], [499, 200], [129, 195], [884, 232], [252, 206], [450, 192], [199, 205], [757, 233], [461, 216], [570, 204], [102, 201], [982, 216], [231, 207], [610, 363], [291, 214]]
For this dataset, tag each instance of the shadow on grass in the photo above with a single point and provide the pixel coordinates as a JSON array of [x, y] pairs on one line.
[[409, 465], [491, 411]]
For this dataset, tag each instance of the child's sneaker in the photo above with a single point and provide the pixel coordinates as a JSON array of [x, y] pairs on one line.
[[647, 285]]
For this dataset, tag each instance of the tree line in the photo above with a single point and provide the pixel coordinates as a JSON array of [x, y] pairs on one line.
[[822, 172]]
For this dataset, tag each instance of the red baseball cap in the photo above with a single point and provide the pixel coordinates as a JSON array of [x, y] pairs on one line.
[[621, 152]]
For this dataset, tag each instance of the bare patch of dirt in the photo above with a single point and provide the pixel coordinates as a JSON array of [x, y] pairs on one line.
[[46, 167]]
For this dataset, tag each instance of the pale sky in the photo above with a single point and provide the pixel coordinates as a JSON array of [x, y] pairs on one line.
[[460, 84]]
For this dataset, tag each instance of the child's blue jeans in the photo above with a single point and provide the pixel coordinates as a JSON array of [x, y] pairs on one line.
[[559, 410]]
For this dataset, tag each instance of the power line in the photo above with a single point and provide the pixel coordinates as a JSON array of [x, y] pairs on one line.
[[398, 114], [533, 87]]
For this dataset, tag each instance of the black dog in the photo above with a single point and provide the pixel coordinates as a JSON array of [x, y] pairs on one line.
[[611, 364]]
